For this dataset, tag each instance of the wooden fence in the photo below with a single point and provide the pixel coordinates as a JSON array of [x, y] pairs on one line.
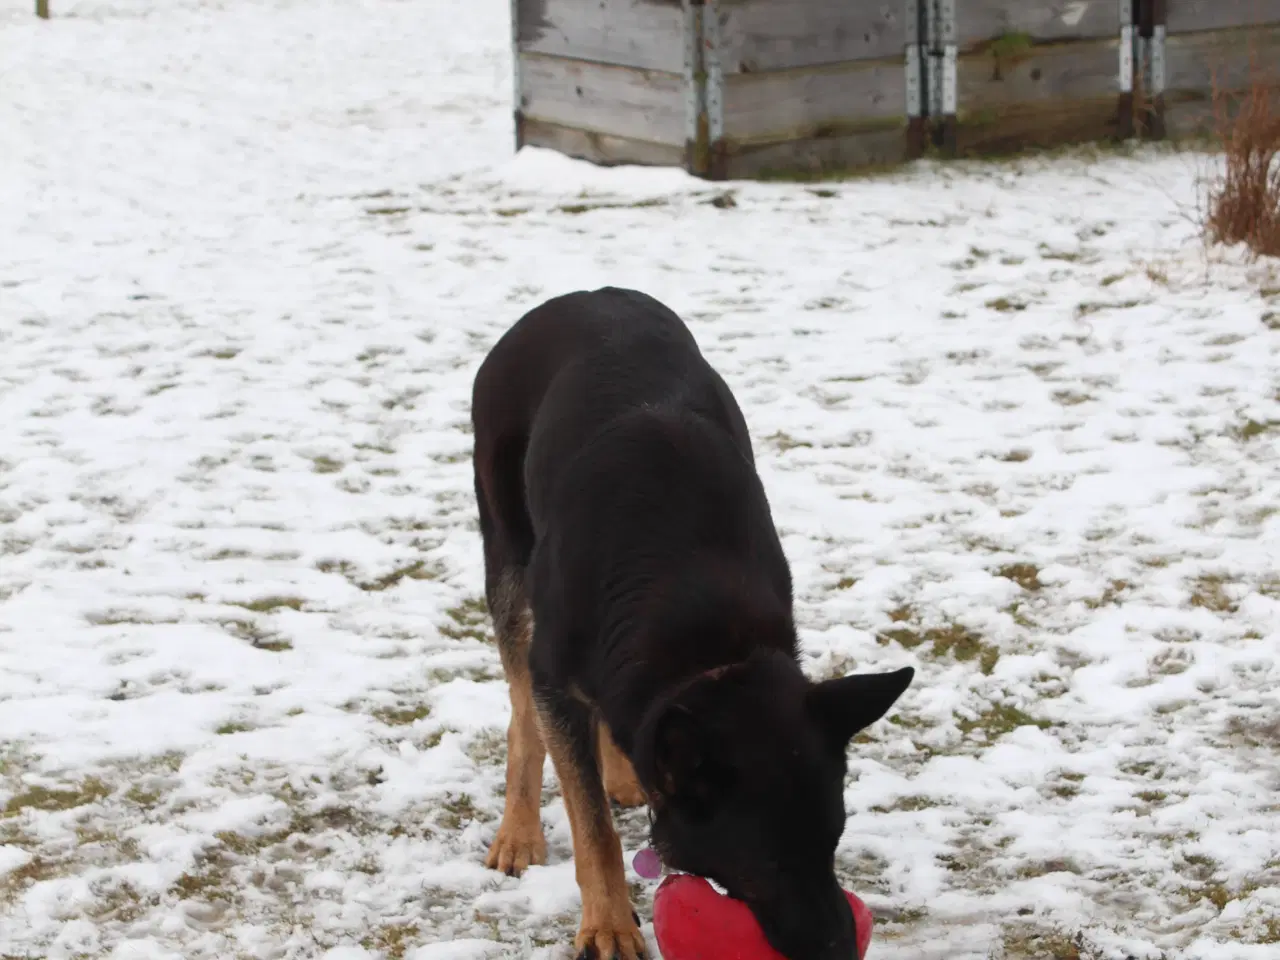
[[741, 88]]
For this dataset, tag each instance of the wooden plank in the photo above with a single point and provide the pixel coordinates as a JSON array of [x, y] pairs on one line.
[[1052, 72], [647, 105], [1196, 63], [1189, 16], [816, 158], [1200, 118], [814, 102], [632, 33], [979, 22], [1033, 126], [1054, 94], [781, 34], [600, 148]]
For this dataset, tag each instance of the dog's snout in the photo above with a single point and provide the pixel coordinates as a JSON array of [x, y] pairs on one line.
[[810, 925]]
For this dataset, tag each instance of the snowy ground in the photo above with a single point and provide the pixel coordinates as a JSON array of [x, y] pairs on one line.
[[1018, 430]]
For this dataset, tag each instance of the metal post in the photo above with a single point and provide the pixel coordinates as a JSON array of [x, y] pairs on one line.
[[942, 73], [915, 29], [718, 161], [697, 149], [42, 9], [517, 103], [1126, 11]]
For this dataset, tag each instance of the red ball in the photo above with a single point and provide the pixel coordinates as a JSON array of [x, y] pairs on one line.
[[694, 922]]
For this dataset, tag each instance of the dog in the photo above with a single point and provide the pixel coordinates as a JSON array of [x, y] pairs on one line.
[[642, 606]]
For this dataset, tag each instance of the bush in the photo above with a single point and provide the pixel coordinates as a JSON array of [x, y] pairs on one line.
[[1243, 201]]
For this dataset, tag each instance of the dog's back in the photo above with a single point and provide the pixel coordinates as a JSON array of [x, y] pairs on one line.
[[637, 458]]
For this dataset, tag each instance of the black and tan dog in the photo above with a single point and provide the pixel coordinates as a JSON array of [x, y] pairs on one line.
[[642, 605]]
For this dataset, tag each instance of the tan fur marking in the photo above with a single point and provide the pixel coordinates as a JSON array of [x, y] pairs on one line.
[[608, 924], [620, 780], [520, 841]]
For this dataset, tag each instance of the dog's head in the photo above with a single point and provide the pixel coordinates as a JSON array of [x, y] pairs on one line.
[[746, 770]]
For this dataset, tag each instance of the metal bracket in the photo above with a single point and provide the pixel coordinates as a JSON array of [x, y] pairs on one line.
[[517, 82], [1157, 60], [714, 71], [694, 94], [915, 103], [1126, 46]]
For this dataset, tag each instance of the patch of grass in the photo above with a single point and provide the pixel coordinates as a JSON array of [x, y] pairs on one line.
[[143, 796], [35, 870], [784, 442], [87, 791], [392, 940], [1017, 455], [230, 727], [468, 620], [255, 635], [1071, 398], [906, 804], [113, 618], [1006, 305], [1000, 719], [418, 570], [456, 811], [1251, 429], [402, 716], [1029, 943], [1090, 307], [1152, 796], [846, 583], [326, 465], [1025, 575], [1208, 592], [1110, 595], [577, 209], [271, 604]]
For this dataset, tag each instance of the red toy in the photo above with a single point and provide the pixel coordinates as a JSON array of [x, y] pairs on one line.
[[694, 922]]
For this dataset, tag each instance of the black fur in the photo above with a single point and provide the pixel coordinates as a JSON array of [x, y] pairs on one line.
[[615, 474]]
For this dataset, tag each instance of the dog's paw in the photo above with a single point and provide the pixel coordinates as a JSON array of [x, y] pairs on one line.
[[517, 847], [616, 940]]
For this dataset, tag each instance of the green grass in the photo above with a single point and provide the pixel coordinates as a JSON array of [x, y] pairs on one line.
[[1000, 719], [87, 791]]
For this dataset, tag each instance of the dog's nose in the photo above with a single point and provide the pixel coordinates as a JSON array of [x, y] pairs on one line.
[[810, 925]]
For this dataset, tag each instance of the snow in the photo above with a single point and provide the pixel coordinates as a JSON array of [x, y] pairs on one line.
[[1019, 429]]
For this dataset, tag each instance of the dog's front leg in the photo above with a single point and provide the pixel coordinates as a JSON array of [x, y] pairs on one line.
[[609, 926]]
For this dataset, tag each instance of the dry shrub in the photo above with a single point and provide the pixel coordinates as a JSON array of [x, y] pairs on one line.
[[1243, 201]]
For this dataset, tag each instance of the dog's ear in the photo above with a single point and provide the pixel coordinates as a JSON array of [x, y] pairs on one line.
[[682, 761], [846, 705]]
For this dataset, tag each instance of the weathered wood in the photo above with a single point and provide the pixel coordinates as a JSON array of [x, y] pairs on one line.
[[42, 9], [646, 105], [1031, 126], [817, 157], [979, 22], [781, 34], [1053, 94], [814, 102], [1198, 63], [1202, 118], [1189, 16], [631, 33], [600, 148], [1048, 73]]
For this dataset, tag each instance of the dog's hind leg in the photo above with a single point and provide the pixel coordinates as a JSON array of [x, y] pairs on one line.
[[620, 781], [520, 841], [610, 929]]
